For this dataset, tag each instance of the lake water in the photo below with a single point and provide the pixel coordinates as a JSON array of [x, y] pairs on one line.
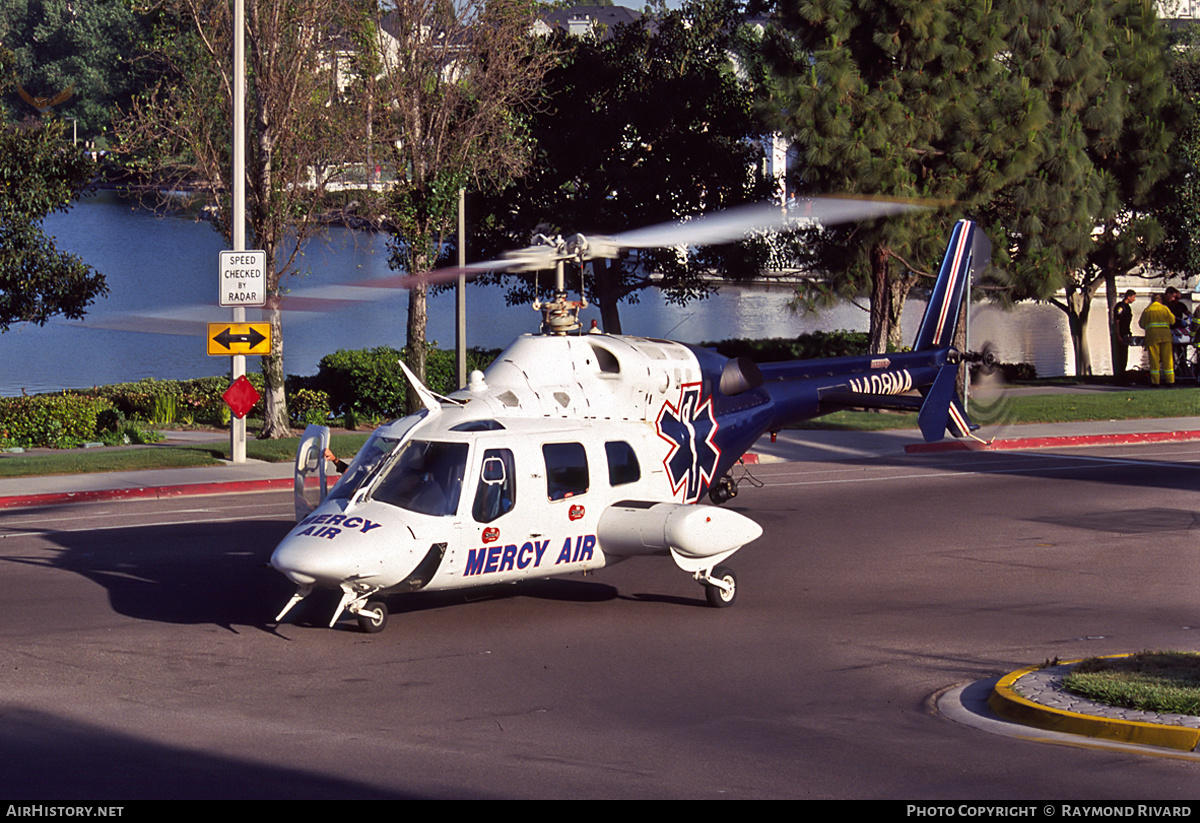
[[166, 268]]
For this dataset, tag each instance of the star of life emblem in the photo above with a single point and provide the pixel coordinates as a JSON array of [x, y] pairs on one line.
[[689, 427]]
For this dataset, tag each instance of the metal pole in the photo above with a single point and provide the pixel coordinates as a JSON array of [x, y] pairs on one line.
[[460, 293], [237, 426]]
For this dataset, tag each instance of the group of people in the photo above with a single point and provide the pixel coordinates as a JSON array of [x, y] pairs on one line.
[[1167, 322]]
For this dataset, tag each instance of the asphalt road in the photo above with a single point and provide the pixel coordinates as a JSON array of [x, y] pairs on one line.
[[140, 661]]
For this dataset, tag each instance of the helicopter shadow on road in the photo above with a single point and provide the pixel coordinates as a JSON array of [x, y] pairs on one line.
[[189, 573], [218, 573]]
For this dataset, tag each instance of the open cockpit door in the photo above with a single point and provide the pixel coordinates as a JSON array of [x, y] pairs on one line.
[[310, 483]]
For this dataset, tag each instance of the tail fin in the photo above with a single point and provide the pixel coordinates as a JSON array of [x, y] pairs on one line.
[[969, 251]]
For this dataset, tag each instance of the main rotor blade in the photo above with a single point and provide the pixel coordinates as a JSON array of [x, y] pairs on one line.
[[435, 277], [709, 229], [737, 223], [704, 230]]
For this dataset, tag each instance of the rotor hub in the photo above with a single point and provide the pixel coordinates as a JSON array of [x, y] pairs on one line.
[[560, 316]]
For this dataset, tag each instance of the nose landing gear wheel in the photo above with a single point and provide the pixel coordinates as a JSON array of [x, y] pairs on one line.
[[717, 597], [372, 617]]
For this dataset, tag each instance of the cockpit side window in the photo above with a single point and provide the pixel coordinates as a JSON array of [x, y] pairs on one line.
[[497, 490], [566, 470], [622, 463], [426, 477]]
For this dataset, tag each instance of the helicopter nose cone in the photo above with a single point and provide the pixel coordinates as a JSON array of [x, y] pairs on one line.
[[305, 564]]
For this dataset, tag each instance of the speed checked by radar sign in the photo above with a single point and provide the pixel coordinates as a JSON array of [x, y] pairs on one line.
[[243, 280]]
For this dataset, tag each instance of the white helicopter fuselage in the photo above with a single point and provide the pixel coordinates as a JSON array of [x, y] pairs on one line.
[[568, 454], [572, 452]]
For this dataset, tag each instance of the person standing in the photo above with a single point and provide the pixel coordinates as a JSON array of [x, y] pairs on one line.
[[1157, 320], [1179, 310], [1122, 335]]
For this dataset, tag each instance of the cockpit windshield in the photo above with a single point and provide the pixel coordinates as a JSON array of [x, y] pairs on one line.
[[372, 455], [426, 477], [365, 462]]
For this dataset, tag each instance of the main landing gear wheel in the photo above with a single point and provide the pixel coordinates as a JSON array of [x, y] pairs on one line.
[[372, 617], [718, 597]]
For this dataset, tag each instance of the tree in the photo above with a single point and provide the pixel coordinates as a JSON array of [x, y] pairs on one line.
[[646, 123], [1086, 211], [900, 98], [82, 48], [297, 134], [1177, 203], [452, 77], [40, 172]]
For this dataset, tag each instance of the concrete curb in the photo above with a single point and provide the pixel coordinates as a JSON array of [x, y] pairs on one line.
[[1007, 703], [1051, 442], [753, 459]]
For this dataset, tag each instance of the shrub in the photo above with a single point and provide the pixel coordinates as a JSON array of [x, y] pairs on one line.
[[166, 408], [60, 421], [307, 406], [164, 401], [368, 384], [803, 347]]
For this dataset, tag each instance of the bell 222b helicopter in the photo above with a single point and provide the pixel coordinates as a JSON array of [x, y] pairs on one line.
[[576, 451]]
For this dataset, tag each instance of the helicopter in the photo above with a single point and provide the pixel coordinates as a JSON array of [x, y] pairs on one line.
[[574, 451]]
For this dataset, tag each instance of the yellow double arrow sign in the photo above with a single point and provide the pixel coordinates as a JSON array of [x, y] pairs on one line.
[[239, 338]]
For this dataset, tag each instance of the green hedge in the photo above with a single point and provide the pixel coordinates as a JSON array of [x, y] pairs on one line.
[[166, 401], [368, 384], [803, 347], [59, 421]]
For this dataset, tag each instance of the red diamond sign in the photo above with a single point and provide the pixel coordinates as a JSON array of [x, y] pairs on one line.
[[240, 397]]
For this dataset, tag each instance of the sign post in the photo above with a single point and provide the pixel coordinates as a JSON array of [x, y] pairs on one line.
[[237, 426]]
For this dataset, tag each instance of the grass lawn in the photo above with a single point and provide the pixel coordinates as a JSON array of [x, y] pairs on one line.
[[1165, 682], [1130, 404], [79, 461]]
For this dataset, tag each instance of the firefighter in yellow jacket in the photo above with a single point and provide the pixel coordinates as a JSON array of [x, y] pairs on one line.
[[1157, 320]]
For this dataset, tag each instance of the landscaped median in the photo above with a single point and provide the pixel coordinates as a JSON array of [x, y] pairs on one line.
[[1007, 701]]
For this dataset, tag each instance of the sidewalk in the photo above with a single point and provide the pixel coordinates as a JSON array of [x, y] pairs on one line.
[[253, 475], [789, 446]]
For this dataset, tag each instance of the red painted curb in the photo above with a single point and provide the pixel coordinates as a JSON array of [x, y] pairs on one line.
[[143, 492], [1048, 442]]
